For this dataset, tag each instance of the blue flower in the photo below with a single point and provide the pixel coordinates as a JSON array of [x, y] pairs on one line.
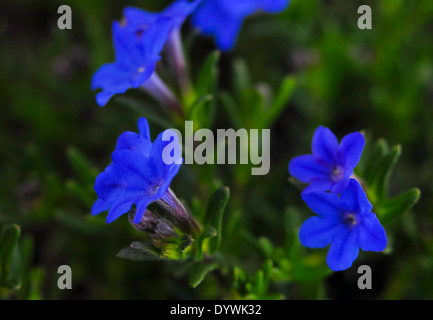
[[331, 164], [176, 14], [137, 175], [346, 223], [223, 18], [136, 57]]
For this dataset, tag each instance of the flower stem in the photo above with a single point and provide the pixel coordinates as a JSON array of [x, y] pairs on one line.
[[160, 92], [177, 57]]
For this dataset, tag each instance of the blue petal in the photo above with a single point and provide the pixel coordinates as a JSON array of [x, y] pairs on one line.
[[211, 20], [132, 141], [180, 10], [102, 98], [158, 147], [106, 185], [137, 169], [112, 79], [372, 236], [324, 204], [317, 186], [118, 209], [274, 6], [99, 206], [226, 39], [351, 147], [141, 209], [354, 199], [340, 186], [141, 76], [125, 45], [143, 128], [344, 249], [318, 232], [153, 39], [325, 145], [240, 8], [139, 17], [306, 169]]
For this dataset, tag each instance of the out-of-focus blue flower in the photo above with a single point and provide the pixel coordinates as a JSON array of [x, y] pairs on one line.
[[175, 14], [331, 164], [346, 223], [223, 18], [136, 57], [137, 175]]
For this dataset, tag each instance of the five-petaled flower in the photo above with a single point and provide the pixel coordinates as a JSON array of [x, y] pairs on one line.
[[223, 18], [137, 175], [331, 165], [345, 222], [135, 61]]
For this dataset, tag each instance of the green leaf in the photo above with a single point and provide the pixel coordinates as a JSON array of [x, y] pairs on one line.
[[206, 89], [398, 205], [280, 101], [369, 159], [36, 284], [241, 76], [197, 105], [208, 233], [84, 195], [199, 271], [232, 111], [88, 226], [144, 110], [266, 246], [9, 237], [214, 215], [262, 279], [140, 251], [383, 170], [82, 167], [207, 77]]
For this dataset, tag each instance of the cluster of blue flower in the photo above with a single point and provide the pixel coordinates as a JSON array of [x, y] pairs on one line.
[[138, 175], [141, 36], [346, 221]]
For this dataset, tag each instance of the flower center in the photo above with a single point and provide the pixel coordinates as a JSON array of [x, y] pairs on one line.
[[337, 173], [350, 219], [141, 69]]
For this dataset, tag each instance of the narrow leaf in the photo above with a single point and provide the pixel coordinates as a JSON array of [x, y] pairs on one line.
[[214, 215], [9, 237], [199, 271], [398, 205]]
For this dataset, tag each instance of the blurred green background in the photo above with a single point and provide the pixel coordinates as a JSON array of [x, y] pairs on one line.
[[55, 139]]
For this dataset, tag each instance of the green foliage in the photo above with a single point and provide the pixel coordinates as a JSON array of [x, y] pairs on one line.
[[375, 171], [199, 271], [9, 237], [214, 216], [17, 275]]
